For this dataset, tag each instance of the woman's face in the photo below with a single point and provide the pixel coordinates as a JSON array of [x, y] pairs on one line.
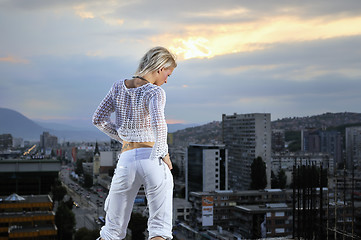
[[162, 76]]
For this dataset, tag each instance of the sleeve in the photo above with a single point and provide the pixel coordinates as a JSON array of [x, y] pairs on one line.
[[158, 123], [101, 117]]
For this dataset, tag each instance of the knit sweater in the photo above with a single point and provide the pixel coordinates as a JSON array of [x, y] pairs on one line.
[[139, 116]]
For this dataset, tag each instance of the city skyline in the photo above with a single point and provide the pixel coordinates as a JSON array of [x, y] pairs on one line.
[[59, 59]]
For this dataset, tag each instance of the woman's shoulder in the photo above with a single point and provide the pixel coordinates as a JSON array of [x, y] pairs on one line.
[[118, 85], [155, 90]]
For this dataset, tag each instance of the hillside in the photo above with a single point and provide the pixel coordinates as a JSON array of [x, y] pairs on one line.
[[325, 120], [20, 126], [212, 132], [204, 134]]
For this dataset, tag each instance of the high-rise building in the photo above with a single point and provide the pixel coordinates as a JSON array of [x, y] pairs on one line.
[[206, 168], [278, 140], [353, 147], [47, 142], [246, 136], [6, 141], [319, 141]]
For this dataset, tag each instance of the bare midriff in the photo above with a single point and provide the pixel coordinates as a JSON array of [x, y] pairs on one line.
[[132, 145]]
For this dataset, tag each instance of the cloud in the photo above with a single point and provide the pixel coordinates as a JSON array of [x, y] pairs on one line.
[[305, 77], [81, 12], [209, 40], [284, 57], [13, 59], [174, 121]]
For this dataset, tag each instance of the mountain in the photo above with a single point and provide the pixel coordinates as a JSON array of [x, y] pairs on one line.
[[204, 134], [18, 125], [325, 120], [179, 126]]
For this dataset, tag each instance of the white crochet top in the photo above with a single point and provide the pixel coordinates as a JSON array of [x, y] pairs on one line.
[[139, 116]]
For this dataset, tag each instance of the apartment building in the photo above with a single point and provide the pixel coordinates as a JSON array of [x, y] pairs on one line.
[[220, 209], [27, 217], [246, 136], [206, 168], [353, 147], [286, 161], [319, 141], [264, 221]]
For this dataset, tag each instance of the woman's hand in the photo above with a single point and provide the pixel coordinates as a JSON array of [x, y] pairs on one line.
[[167, 161]]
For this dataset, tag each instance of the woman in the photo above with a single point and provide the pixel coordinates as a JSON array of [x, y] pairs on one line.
[[140, 125]]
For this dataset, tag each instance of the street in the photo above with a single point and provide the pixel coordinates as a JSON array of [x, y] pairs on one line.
[[88, 205]]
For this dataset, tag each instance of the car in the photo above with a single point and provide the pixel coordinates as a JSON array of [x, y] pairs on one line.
[[76, 204], [101, 219]]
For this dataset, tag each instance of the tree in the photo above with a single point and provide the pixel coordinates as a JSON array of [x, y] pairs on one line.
[[65, 222], [282, 179], [79, 167], [137, 224], [88, 181], [58, 190], [58, 193], [294, 139], [258, 174], [274, 180], [70, 203], [86, 234]]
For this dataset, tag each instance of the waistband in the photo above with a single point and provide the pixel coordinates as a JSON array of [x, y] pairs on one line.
[[132, 145], [135, 154]]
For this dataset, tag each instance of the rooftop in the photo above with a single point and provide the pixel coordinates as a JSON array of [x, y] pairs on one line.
[[25, 199]]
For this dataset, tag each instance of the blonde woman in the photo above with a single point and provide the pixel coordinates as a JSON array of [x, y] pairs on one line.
[[138, 104]]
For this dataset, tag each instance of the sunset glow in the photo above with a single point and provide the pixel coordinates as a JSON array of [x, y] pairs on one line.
[[206, 41]]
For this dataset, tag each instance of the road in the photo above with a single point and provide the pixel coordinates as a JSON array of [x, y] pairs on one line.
[[88, 204]]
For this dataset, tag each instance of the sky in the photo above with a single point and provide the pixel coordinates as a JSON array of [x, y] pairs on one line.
[[297, 58]]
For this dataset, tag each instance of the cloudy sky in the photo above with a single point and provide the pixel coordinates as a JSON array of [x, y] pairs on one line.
[[58, 59]]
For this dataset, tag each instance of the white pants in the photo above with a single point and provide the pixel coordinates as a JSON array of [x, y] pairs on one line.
[[134, 168]]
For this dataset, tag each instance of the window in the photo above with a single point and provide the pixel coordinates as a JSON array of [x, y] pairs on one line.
[[280, 214]]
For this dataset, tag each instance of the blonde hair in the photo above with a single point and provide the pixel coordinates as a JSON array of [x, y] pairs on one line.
[[155, 59]]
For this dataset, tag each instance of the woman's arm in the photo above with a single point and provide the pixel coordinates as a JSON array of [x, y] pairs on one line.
[[101, 117], [159, 125]]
